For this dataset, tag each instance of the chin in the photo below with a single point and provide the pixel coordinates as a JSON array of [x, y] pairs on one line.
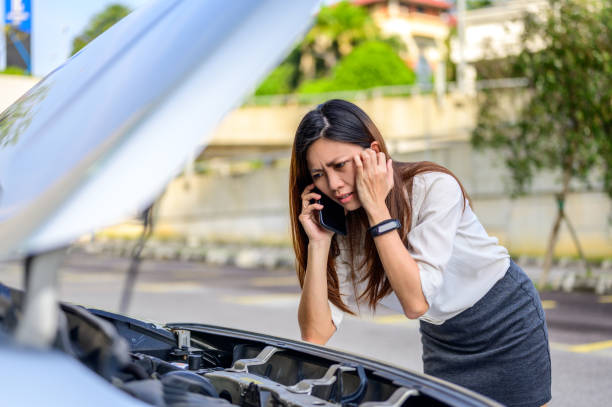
[[352, 206]]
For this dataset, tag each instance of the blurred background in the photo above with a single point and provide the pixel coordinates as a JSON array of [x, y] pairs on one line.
[[513, 96]]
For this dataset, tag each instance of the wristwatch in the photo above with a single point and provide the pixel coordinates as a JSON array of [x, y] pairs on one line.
[[384, 227]]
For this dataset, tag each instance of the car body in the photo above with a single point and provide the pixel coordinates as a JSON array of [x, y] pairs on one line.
[[94, 143]]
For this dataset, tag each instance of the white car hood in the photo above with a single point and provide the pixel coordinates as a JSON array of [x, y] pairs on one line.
[[97, 140]]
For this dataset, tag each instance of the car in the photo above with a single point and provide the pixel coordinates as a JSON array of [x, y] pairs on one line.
[[94, 143]]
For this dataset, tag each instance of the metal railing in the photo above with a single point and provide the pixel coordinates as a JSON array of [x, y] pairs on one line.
[[381, 91]]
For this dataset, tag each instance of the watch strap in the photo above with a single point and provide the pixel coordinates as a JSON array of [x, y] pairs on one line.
[[384, 227]]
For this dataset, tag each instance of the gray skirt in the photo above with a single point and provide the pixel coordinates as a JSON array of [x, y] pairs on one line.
[[498, 347]]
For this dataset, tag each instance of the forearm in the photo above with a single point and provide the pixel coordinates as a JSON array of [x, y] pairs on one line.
[[314, 314], [400, 268]]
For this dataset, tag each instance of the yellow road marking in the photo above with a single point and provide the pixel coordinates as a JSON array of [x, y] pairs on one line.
[[274, 281], [391, 319], [183, 286], [605, 299], [590, 347], [263, 299], [549, 304]]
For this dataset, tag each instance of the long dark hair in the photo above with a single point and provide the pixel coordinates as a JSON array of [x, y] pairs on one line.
[[339, 120]]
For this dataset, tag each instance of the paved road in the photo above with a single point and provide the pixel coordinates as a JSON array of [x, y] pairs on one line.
[[580, 324]]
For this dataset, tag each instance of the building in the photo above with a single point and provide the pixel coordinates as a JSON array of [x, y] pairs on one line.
[[423, 25], [493, 32]]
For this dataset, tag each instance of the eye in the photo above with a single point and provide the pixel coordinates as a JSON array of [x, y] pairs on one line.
[[316, 175], [340, 165]]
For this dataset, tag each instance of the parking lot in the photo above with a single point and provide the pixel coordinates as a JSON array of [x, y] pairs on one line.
[[580, 324]]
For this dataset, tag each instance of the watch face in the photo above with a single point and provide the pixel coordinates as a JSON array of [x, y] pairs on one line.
[[387, 227]]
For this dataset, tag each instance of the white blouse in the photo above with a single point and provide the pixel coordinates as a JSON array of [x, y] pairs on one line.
[[458, 262]]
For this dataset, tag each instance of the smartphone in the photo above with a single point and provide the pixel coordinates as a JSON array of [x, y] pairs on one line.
[[332, 216]]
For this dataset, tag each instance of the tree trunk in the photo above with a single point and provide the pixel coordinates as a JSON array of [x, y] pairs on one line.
[[307, 65], [574, 235], [554, 234], [552, 242]]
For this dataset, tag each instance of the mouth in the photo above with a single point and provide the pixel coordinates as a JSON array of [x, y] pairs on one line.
[[344, 198]]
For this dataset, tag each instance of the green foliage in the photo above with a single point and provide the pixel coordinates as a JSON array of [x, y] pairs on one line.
[[338, 29], [14, 70], [474, 4], [565, 122], [451, 67], [279, 81], [98, 24], [498, 68], [343, 21], [371, 64]]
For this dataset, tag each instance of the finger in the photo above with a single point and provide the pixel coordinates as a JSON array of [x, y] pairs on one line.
[[311, 208], [307, 190], [365, 160], [390, 171], [358, 164], [381, 159], [372, 157], [309, 196]]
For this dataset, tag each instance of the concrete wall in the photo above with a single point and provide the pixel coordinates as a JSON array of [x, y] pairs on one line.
[[253, 207], [407, 123]]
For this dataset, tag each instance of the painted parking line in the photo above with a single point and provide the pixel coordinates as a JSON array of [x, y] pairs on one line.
[[605, 299], [394, 319], [266, 300], [549, 304], [283, 281], [590, 347]]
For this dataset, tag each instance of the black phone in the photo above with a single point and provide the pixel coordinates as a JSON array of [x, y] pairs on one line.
[[332, 216]]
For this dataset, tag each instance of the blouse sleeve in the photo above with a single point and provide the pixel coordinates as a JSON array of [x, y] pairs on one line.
[[432, 237], [337, 314]]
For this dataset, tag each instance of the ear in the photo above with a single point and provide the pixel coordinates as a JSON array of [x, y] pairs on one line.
[[374, 146]]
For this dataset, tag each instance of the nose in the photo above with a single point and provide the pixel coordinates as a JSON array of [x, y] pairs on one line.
[[335, 182]]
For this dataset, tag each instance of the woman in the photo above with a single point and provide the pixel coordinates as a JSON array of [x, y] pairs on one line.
[[414, 245]]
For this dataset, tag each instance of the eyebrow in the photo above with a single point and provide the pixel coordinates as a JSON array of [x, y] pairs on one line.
[[332, 162]]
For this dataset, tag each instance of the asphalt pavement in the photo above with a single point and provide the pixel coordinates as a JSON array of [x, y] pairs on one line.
[[580, 324]]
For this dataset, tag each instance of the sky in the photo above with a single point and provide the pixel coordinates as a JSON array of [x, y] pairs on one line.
[[55, 23]]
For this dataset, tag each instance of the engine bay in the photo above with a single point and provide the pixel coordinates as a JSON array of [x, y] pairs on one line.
[[201, 365]]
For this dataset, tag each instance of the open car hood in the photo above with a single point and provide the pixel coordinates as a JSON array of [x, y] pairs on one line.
[[97, 140]]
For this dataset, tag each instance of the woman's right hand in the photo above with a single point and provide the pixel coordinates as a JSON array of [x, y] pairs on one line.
[[309, 217]]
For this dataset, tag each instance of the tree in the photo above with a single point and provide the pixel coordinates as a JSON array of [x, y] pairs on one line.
[[98, 24], [284, 79], [474, 4], [338, 29], [371, 64], [564, 122]]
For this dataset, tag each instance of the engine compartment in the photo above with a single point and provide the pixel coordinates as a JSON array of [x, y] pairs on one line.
[[200, 365]]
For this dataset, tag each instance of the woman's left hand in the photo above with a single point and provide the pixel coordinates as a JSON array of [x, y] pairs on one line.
[[374, 180]]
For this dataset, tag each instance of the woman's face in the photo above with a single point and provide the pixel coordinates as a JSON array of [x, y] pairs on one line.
[[332, 168]]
